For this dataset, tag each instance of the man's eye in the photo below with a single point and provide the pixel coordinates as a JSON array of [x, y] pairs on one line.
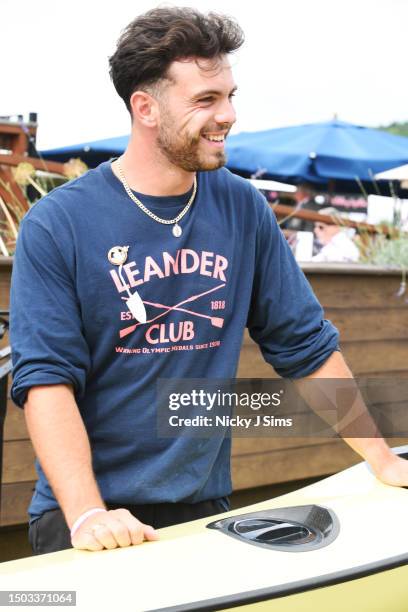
[[232, 96], [208, 99]]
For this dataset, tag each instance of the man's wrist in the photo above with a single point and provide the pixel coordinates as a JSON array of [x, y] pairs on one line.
[[378, 454], [78, 507], [82, 518]]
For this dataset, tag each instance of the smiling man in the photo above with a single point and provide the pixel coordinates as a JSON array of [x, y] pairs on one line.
[[196, 113], [183, 122], [151, 267]]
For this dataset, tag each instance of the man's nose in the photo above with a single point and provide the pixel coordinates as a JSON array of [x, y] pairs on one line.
[[226, 113]]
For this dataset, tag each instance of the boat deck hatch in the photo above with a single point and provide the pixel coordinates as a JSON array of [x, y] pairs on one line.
[[294, 529]]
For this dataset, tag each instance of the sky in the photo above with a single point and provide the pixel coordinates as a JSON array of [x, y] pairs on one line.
[[302, 62]]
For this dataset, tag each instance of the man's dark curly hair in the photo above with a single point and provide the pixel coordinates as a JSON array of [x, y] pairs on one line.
[[161, 36]]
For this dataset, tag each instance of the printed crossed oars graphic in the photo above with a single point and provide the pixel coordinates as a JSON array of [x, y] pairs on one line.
[[215, 321]]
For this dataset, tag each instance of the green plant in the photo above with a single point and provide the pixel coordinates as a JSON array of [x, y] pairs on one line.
[[385, 251], [41, 182]]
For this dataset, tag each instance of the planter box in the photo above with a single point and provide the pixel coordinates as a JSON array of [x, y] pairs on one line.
[[360, 300]]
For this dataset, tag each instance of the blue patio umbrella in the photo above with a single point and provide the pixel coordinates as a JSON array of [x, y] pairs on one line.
[[92, 153], [317, 153]]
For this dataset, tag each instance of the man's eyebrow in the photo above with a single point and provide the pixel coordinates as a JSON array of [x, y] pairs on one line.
[[212, 92]]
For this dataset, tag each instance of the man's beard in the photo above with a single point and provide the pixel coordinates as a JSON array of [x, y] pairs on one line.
[[184, 151]]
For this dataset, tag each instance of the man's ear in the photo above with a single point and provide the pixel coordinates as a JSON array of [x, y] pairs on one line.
[[145, 108]]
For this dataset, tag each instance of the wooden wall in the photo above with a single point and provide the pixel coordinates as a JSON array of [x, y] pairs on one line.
[[373, 324], [18, 477]]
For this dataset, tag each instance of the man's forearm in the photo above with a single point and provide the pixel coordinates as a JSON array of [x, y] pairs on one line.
[[373, 448], [62, 446]]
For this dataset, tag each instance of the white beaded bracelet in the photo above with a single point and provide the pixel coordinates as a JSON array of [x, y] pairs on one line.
[[83, 518]]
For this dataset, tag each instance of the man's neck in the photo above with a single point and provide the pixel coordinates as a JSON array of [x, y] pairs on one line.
[[151, 173]]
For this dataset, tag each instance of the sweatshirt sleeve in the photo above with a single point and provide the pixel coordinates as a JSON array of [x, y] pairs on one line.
[[48, 345], [285, 317]]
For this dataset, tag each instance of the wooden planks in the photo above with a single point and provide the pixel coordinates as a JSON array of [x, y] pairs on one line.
[[295, 463], [373, 326], [18, 461], [5, 276], [15, 498], [254, 445], [365, 324], [16, 158], [374, 356], [371, 319], [357, 291], [377, 358], [14, 426]]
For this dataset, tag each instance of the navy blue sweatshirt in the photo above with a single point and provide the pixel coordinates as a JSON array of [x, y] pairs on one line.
[[230, 268]]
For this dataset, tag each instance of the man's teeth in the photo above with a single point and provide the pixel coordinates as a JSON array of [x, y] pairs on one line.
[[215, 138]]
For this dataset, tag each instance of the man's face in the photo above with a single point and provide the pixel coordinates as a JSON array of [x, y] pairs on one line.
[[196, 114], [325, 232]]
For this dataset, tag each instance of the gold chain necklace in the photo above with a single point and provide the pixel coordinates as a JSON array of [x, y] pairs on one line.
[[177, 231]]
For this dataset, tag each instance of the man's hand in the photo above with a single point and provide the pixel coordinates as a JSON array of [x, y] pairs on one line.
[[388, 467], [112, 529], [62, 446], [393, 471]]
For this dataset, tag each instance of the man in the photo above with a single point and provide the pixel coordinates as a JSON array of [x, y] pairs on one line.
[[116, 281], [303, 200], [337, 245]]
